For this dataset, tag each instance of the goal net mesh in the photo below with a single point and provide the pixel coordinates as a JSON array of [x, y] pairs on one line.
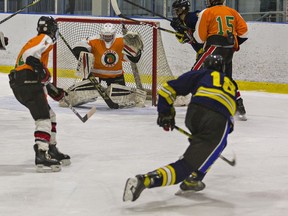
[[152, 69]]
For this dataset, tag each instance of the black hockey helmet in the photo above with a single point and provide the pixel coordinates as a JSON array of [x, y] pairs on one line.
[[47, 25], [210, 3], [214, 62], [180, 6]]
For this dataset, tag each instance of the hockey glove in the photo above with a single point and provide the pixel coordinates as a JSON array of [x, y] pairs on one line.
[[133, 46], [41, 71], [177, 24], [167, 120], [55, 93]]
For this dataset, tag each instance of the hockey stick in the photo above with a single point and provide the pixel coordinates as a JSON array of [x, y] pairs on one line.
[[12, 15], [230, 162], [153, 12], [95, 82], [134, 68], [118, 13], [86, 116]]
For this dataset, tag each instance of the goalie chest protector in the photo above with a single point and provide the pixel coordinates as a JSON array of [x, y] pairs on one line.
[[108, 61]]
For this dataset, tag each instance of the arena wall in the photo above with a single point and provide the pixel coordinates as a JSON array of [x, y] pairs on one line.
[[261, 63]]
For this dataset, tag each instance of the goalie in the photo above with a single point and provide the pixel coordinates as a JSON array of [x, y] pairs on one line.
[[102, 55]]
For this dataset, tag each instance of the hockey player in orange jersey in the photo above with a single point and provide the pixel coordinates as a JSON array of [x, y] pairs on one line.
[[222, 29], [29, 82], [107, 51]]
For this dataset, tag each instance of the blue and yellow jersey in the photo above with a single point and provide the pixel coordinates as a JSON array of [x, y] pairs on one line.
[[190, 21], [209, 88]]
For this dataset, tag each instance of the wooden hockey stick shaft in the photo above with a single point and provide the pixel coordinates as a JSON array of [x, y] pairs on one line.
[[230, 162], [118, 13], [12, 15]]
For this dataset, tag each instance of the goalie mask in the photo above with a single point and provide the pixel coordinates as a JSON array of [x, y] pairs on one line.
[[108, 32], [214, 62], [210, 3], [48, 26], [180, 7]]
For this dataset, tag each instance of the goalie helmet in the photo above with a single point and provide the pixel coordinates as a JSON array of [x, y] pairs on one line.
[[47, 25], [108, 32], [214, 62], [180, 6], [210, 3]]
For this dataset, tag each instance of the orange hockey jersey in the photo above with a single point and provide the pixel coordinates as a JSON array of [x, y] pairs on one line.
[[218, 20], [39, 47], [108, 60]]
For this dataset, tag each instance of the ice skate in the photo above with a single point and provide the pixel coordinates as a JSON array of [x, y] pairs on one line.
[[241, 112], [133, 188], [55, 153], [44, 162], [190, 185]]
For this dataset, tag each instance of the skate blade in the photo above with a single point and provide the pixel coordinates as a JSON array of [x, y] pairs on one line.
[[128, 193], [65, 162], [45, 169], [242, 117], [185, 193]]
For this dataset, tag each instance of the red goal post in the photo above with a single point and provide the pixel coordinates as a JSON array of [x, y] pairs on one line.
[[152, 69]]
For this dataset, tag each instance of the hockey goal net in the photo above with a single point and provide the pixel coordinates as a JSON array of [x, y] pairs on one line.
[[148, 74]]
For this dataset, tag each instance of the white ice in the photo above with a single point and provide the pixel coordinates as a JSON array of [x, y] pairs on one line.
[[116, 144]]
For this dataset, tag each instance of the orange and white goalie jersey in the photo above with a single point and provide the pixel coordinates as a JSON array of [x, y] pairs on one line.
[[218, 20], [108, 56]]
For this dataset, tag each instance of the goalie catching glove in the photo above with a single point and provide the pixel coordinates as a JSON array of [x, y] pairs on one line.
[[133, 46]]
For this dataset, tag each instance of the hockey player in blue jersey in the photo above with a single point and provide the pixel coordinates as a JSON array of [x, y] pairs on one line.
[[209, 119], [184, 22]]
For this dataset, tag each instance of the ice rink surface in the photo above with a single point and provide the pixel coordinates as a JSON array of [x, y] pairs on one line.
[[116, 144]]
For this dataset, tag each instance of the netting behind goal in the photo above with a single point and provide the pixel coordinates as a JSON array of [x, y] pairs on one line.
[[153, 69]]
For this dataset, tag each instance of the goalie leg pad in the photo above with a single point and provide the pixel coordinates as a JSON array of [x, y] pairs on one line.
[[126, 96], [80, 93]]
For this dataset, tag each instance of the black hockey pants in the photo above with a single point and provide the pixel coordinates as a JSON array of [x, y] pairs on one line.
[[209, 136]]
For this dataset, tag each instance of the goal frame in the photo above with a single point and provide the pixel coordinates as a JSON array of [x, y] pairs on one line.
[[114, 21]]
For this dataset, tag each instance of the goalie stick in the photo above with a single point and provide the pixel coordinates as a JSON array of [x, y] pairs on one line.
[[12, 15], [133, 65], [230, 162], [95, 82], [118, 13]]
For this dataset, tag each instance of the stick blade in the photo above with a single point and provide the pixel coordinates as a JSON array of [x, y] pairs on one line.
[[89, 114]]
